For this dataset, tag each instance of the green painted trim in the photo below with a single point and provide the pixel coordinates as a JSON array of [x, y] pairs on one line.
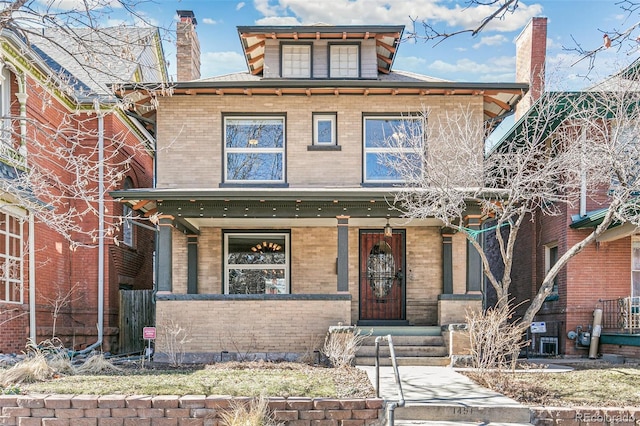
[[620, 339], [161, 60], [20, 59]]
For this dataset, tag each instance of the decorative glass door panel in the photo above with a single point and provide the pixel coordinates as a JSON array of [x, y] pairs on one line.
[[382, 284]]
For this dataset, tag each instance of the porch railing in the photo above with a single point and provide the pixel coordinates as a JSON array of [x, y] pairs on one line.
[[394, 362], [622, 314]]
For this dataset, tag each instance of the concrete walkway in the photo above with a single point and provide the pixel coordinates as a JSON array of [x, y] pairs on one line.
[[441, 395]]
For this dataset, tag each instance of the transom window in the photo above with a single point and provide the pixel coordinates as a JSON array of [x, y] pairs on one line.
[[11, 253], [324, 129], [256, 263], [389, 141], [344, 61], [254, 149], [296, 61]]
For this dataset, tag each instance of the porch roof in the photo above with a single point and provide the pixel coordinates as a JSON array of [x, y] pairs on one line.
[[263, 202]]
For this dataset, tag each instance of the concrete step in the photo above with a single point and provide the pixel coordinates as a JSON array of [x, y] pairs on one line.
[[403, 351], [457, 412], [427, 361], [441, 423], [406, 341], [412, 330]]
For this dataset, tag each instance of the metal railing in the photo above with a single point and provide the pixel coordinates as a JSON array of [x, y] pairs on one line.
[[622, 314], [400, 402]]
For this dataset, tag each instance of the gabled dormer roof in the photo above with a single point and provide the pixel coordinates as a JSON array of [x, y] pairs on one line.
[[253, 39]]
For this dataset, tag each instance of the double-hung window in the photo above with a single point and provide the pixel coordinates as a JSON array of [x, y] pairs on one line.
[[344, 61], [256, 263], [550, 259], [296, 60], [254, 149], [393, 147], [11, 254]]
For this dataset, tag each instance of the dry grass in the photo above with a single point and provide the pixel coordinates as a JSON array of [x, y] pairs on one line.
[[30, 370], [96, 364], [251, 379], [596, 384], [252, 413]]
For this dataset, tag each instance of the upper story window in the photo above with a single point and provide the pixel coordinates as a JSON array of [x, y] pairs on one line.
[[324, 129], [254, 149], [127, 217], [5, 105], [11, 254], [635, 266], [296, 61], [344, 61], [550, 259], [389, 141], [256, 263]]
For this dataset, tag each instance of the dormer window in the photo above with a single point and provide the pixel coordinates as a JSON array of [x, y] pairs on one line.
[[344, 60], [296, 61]]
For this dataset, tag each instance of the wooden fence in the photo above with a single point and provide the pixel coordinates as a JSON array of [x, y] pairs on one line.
[[137, 310]]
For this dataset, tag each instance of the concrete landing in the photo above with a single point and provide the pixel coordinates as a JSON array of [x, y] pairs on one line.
[[440, 394]]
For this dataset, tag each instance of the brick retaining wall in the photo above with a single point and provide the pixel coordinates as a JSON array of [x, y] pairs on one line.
[[191, 410], [585, 416]]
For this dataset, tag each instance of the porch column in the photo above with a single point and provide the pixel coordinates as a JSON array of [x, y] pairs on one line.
[[474, 263], [165, 246], [192, 264], [447, 262], [343, 253]]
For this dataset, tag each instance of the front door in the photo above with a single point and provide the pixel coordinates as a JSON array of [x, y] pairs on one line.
[[382, 283]]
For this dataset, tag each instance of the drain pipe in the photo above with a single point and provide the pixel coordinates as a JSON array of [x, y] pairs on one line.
[[32, 279], [98, 342]]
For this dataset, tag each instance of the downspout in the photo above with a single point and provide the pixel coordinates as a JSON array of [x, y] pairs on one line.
[[32, 279], [583, 177], [98, 342]]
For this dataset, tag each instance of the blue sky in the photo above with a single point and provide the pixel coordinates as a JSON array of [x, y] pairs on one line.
[[486, 57]]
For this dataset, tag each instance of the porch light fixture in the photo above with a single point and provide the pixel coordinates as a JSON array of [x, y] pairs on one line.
[[388, 231]]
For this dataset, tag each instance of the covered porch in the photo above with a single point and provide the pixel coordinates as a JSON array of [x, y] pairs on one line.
[[266, 271]]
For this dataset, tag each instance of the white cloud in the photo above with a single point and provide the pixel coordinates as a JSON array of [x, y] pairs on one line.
[[410, 63], [499, 65], [240, 5], [219, 63], [494, 40], [209, 21], [278, 20], [436, 12]]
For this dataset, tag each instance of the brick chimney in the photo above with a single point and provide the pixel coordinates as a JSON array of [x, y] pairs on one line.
[[188, 47], [531, 52]]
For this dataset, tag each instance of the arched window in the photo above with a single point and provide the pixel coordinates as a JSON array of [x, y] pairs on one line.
[[127, 217]]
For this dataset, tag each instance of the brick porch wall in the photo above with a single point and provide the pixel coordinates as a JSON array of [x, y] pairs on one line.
[[287, 326]]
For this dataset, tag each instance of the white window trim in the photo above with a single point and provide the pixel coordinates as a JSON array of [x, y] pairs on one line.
[[262, 235], [383, 150], [4, 233], [333, 70], [635, 239], [294, 72], [324, 117], [548, 265], [257, 150]]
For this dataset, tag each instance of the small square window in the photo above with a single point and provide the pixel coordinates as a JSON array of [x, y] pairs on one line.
[[344, 61], [296, 61], [324, 129]]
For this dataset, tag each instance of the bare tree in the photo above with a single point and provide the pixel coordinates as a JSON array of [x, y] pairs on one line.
[[569, 147]]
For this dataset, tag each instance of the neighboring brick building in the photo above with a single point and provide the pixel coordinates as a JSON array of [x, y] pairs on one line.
[[273, 203], [57, 113], [602, 275]]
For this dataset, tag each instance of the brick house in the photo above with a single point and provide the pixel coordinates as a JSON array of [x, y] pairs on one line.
[[275, 211], [603, 276], [56, 272]]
